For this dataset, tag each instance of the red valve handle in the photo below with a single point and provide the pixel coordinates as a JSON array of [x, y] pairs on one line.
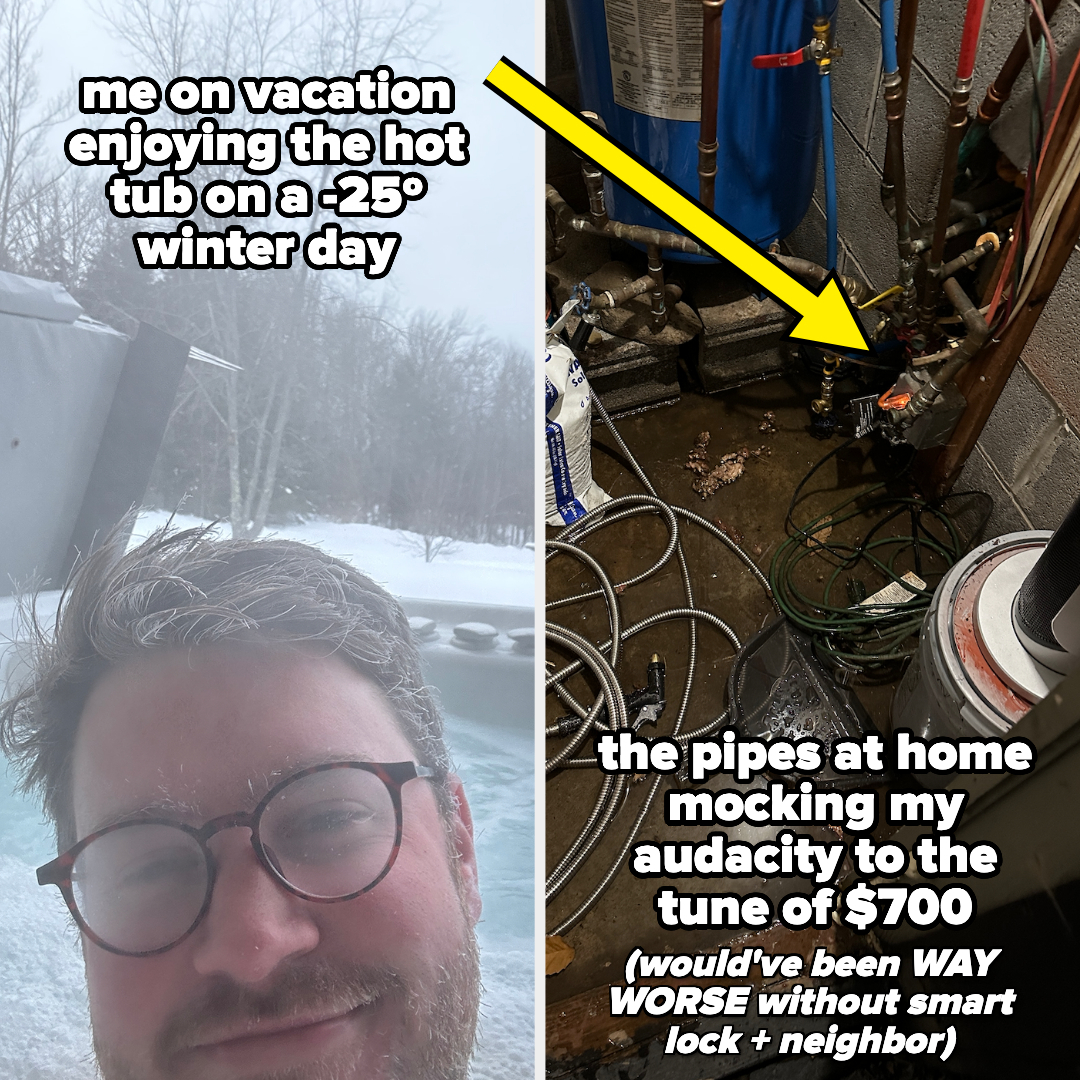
[[779, 60]]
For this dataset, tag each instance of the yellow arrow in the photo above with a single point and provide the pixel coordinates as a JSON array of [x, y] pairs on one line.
[[828, 318]]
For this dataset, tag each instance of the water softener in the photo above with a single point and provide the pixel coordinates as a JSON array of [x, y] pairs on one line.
[[639, 66]]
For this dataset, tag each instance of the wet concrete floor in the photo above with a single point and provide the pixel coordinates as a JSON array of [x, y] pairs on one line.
[[754, 509]]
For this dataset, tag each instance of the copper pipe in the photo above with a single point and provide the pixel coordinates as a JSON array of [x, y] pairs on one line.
[[998, 92], [858, 290], [894, 175], [982, 381], [897, 190], [613, 298], [905, 50], [969, 223], [634, 234], [954, 136], [708, 144], [957, 124], [968, 258]]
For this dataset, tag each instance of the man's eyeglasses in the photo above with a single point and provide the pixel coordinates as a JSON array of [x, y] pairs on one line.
[[327, 833]]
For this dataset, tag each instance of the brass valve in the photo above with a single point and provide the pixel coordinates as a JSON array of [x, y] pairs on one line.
[[823, 405], [820, 51]]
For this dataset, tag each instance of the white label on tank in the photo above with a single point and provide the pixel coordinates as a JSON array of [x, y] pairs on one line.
[[655, 50]]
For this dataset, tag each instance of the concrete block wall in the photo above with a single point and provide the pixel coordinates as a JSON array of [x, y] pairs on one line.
[[1028, 458]]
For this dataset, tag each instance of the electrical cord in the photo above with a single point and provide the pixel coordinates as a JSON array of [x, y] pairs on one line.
[[872, 639]]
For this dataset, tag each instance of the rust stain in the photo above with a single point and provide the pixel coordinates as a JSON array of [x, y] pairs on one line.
[[985, 679]]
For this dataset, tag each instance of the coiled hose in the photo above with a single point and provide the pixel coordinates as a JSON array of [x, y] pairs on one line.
[[601, 660]]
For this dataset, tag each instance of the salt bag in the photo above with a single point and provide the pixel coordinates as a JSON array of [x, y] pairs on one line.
[[570, 490]]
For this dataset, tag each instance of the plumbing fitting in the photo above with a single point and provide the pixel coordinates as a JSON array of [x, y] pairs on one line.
[[656, 272], [968, 223], [986, 244], [823, 405], [594, 180], [817, 50], [977, 333], [613, 298]]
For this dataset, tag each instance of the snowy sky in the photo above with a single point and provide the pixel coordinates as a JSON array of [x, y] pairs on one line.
[[444, 264]]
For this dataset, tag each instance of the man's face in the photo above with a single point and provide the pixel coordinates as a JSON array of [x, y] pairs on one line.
[[270, 986]]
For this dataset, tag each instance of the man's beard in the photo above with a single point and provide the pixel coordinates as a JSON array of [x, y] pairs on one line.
[[441, 1020]]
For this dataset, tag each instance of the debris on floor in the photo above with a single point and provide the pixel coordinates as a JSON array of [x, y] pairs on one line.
[[729, 531], [726, 471], [819, 537], [559, 955]]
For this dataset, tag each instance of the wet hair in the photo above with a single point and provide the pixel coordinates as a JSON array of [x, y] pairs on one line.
[[188, 589]]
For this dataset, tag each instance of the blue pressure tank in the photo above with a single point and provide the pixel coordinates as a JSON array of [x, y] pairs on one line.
[[639, 68]]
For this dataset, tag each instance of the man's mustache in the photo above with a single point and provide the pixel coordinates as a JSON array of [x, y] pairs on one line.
[[303, 994]]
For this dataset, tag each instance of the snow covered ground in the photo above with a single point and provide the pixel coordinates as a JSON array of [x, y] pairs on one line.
[[476, 573], [44, 1031]]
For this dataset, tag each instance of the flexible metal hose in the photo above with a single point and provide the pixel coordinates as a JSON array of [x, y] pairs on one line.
[[614, 788], [587, 845], [723, 537], [610, 796], [606, 590], [602, 517], [586, 906], [610, 690], [555, 730], [587, 839]]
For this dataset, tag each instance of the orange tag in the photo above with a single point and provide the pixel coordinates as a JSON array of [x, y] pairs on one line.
[[897, 402]]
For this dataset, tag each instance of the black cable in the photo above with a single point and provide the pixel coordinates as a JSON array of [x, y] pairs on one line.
[[875, 639]]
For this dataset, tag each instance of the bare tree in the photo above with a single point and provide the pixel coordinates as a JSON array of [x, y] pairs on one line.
[[341, 408], [264, 327], [23, 124]]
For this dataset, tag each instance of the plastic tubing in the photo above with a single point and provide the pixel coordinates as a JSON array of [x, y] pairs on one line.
[[828, 153], [969, 42], [889, 63], [829, 163]]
